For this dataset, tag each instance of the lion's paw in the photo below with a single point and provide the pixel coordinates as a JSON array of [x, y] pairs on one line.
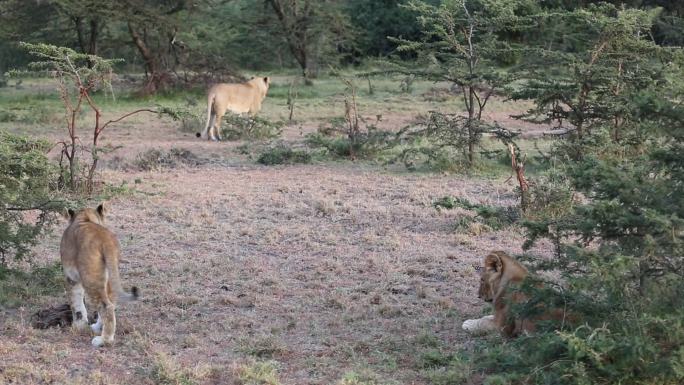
[[478, 326], [98, 341]]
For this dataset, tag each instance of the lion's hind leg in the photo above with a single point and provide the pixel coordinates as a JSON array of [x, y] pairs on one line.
[[107, 318], [100, 291], [78, 309], [215, 130]]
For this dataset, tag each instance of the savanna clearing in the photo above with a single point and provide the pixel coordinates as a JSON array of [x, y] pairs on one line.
[[335, 271]]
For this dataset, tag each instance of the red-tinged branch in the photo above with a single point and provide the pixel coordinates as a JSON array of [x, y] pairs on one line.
[[519, 169], [127, 115]]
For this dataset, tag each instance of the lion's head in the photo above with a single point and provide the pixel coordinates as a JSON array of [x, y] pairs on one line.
[[490, 276], [262, 84], [96, 215]]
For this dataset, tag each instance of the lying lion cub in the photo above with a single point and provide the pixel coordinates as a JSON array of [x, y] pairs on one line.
[[500, 272], [90, 259]]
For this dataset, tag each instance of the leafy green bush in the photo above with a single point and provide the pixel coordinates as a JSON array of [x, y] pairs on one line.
[[8, 116], [18, 287], [282, 154], [493, 217], [236, 127], [28, 183], [366, 144], [619, 255]]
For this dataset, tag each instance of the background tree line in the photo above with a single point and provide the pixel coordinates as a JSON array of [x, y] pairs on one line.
[[169, 39]]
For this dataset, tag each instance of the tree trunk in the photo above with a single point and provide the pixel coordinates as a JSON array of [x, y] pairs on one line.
[[295, 27], [471, 129], [518, 167], [155, 77], [94, 31], [78, 25], [90, 47]]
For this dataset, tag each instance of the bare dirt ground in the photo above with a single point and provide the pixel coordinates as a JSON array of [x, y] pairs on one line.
[[327, 271]]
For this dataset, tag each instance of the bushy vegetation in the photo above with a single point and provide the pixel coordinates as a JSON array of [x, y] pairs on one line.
[[282, 154], [17, 287], [235, 127], [28, 184], [619, 249], [488, 217]]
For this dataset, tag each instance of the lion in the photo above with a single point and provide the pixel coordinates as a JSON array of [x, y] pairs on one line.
[[238, 98], [499, 273], [90, 260]]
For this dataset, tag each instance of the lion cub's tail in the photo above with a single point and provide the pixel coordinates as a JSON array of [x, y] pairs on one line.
[[115, 280], [210, 116]]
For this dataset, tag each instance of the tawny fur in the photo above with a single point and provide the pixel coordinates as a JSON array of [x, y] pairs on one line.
[[238, 98], [90, 260], [500, 272]]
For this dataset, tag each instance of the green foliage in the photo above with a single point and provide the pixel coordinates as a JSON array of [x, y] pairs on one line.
[[495, 218], [237, 127], [65, 62], [281, 154], [376, 20], [462, 44], [619, 247], [366, 146], [588, 81], [17, 288], [550, 196], [440, 139], [28, 182], [79, 75]]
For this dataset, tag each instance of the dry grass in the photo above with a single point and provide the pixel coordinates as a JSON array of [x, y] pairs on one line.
[[305, 274]]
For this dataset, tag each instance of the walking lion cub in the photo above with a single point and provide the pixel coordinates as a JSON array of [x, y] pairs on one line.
[[90, 260]]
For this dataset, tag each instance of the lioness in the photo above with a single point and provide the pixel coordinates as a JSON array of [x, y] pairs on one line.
[[90, 259], [499, 273], [238, 98]]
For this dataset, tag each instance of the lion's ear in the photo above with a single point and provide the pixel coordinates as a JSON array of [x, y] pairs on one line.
[[266, 80], [493, 262], [102, 209], [68, 214]]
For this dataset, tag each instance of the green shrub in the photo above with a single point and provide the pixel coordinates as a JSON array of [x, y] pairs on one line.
[[17, 288], [8, 116], [28, 182], [282, 154], [495, 218], [367, 144], [236, 127], [619, 255]]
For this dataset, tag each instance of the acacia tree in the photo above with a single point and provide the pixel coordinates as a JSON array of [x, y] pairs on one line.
[[461, 45], [618, 250], [585, 70], [79, 76], [28, 183]]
